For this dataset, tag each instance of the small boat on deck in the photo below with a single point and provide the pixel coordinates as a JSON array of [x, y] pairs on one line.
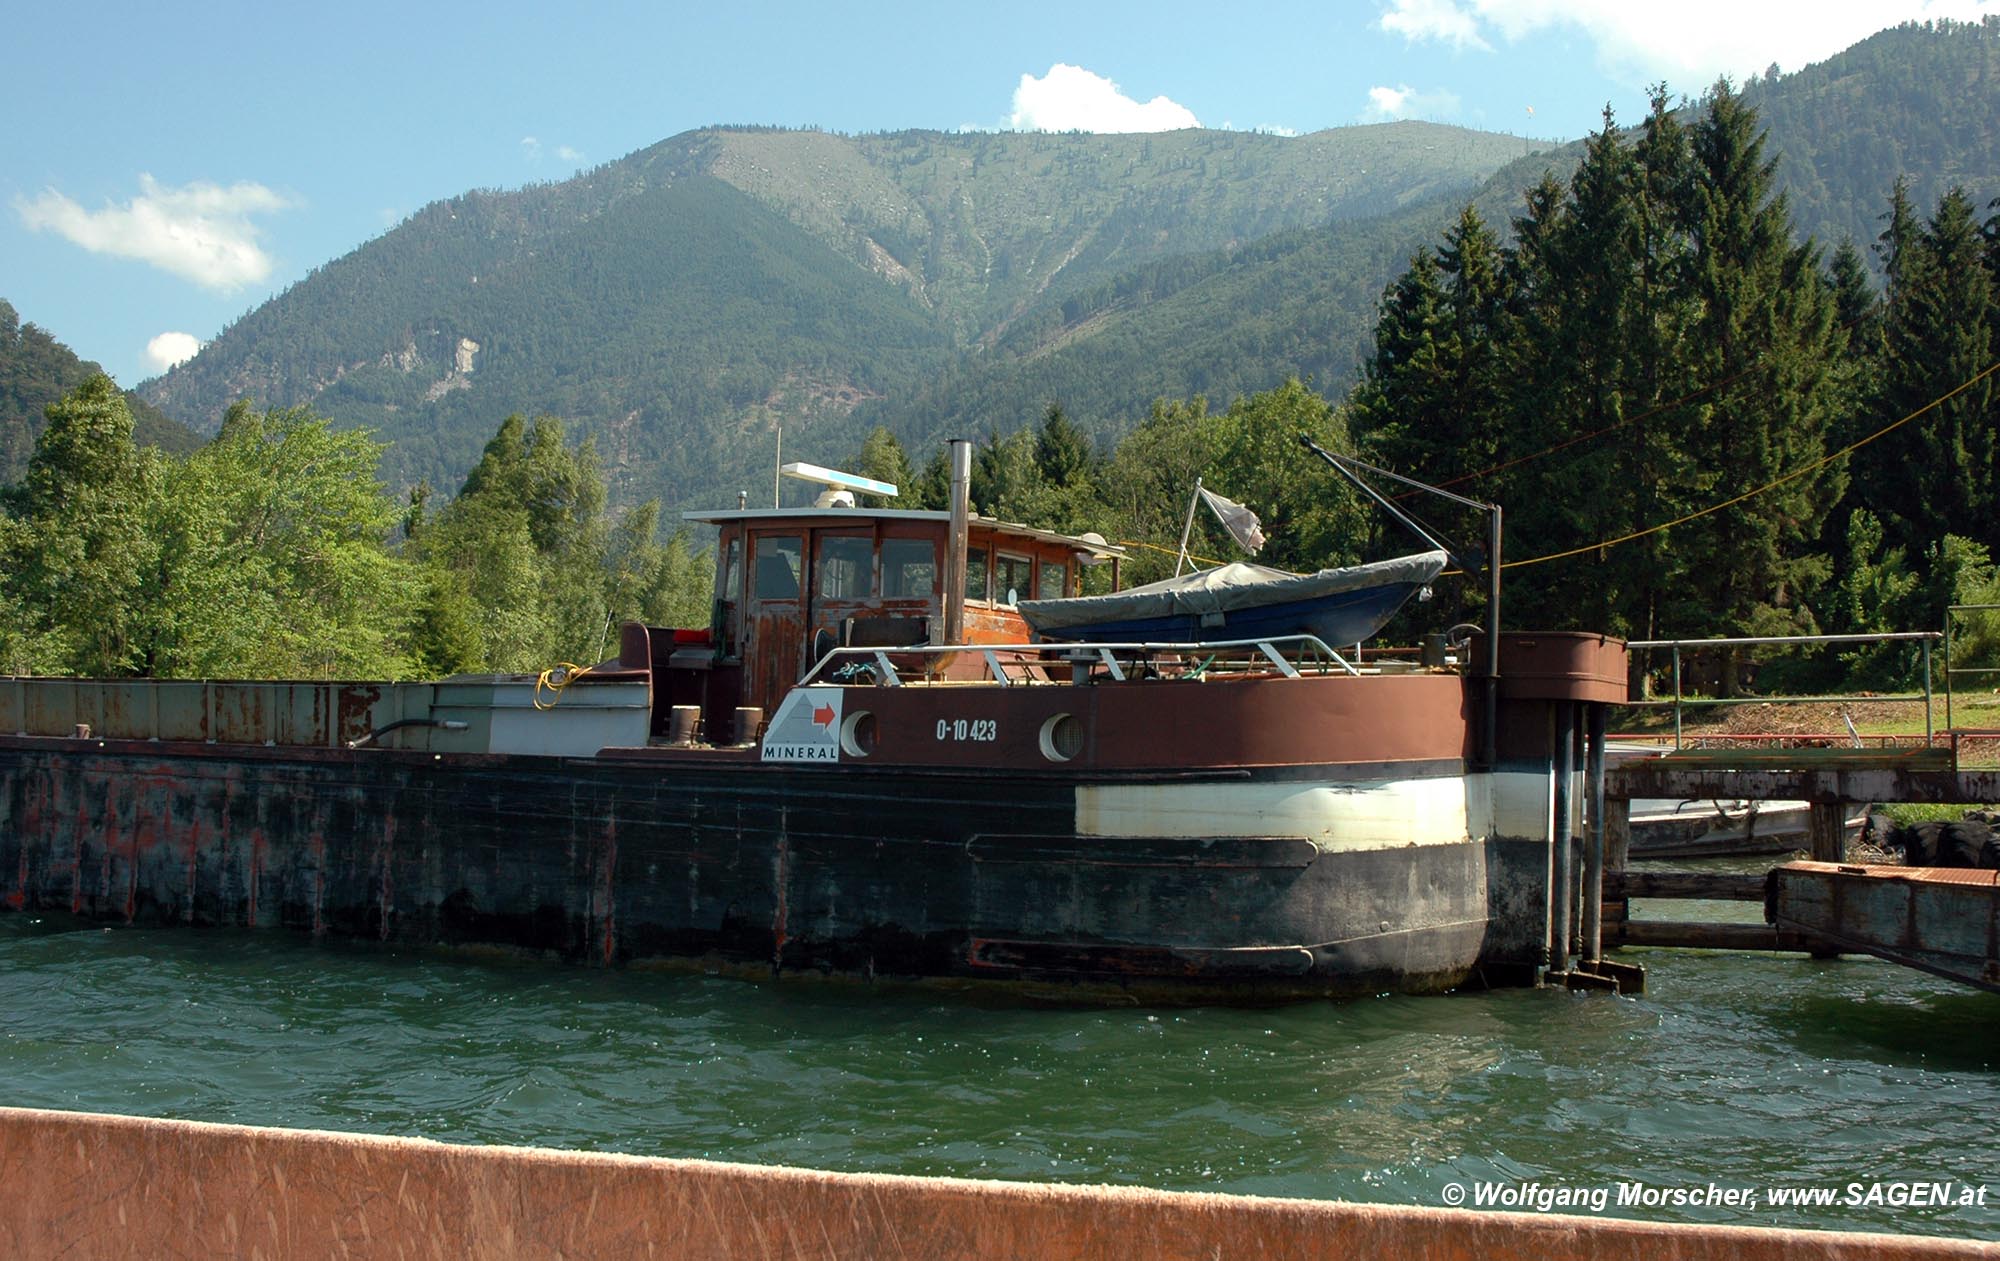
[[1242, 601]]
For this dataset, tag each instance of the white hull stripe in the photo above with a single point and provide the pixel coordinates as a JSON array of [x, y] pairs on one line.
[[1336, 816]]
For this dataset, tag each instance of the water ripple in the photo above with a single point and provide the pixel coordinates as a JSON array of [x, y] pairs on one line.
[[1742, 1071]]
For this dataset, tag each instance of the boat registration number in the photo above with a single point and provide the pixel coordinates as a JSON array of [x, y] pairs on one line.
[[983, 730]]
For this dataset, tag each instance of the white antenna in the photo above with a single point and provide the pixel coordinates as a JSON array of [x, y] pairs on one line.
[[840, 487]]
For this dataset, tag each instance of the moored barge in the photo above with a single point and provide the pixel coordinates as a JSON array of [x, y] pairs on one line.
[[862, 768]]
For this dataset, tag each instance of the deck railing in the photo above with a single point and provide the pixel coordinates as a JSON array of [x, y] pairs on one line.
[[1292, 656], [1680, 701]]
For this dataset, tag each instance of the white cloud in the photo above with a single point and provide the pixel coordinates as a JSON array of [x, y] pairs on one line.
[[1441, 20], [1404, 101], [1689, 43], [201, 231], [532, 149], [1070, 98], [169, 349]]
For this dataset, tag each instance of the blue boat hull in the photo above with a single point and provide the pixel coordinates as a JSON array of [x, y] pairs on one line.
[[1345, 618]]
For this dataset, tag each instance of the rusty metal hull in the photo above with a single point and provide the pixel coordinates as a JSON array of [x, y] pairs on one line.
[[896, 872], [1940, 920]]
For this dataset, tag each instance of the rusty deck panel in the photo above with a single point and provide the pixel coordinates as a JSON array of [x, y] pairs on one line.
[[1943, 921]]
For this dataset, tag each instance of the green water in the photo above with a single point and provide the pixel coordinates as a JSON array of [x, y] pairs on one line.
[[1734, 1069]]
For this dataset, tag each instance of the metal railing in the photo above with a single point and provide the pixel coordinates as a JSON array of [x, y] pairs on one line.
[[1952, 670], [1681, 700], [1119, 661]]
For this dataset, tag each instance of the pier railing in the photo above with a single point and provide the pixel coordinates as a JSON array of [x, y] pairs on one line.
[[1953, 671], [1680, 702]]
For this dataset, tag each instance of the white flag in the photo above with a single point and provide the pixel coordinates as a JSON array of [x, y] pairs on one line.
[[1241, 523]]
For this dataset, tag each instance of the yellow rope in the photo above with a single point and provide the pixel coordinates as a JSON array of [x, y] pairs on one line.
[[553, 680], [1822, 462]]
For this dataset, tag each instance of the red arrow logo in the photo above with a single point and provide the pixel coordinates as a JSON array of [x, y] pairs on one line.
[[823, 716]]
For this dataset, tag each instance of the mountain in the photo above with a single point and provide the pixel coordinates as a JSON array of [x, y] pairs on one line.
[[36, 370], [1918, 100], [683, 302]]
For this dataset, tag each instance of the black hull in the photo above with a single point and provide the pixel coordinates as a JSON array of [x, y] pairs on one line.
[[889, 874]]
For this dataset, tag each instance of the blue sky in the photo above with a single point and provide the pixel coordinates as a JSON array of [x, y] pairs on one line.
[[166, 169]]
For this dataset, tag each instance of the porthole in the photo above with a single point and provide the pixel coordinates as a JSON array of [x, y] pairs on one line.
[[1062, 738], [857, 734]]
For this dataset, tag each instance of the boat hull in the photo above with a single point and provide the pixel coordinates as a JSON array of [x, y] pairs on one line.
[[1240, 601], [1347, 618], [899, 873]]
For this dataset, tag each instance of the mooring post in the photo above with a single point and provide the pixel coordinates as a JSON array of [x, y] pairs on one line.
[[1559, 839], [1827, 828], [1593, 854], [1617, 844], [1578, 847]]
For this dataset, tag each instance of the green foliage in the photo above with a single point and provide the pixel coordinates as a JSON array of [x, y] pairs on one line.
[[883, 459], [1766, 319], [1875, 593], [266, 554], [37, 370], [1249, 453], [1151, 479], [79, 550], [1941, 472], [273, 561], [526, 568], [1963, 572]]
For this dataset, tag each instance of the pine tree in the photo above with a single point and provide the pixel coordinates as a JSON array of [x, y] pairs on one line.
[[883, 459], [1936, 474], [1767, 337], [1569, 362]]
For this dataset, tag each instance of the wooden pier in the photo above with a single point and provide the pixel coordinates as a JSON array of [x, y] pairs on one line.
[[1943, 921]]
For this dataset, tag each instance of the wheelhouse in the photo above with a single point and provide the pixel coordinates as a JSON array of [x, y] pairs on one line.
[[793, 584]]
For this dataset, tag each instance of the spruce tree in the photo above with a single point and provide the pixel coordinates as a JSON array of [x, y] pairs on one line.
[[1936, 474], [1767, 337]]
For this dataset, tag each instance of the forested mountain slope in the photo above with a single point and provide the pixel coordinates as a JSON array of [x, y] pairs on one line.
[[682, 303], [37, 370]]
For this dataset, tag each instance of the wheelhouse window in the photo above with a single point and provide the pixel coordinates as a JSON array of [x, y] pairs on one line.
[[732, 569], [909, 569], [776, 569], [975, 575], [1052, 583], [846, 567], [1012, 575]]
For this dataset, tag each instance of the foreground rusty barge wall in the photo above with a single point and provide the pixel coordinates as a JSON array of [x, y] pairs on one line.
[[86, 1185]]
